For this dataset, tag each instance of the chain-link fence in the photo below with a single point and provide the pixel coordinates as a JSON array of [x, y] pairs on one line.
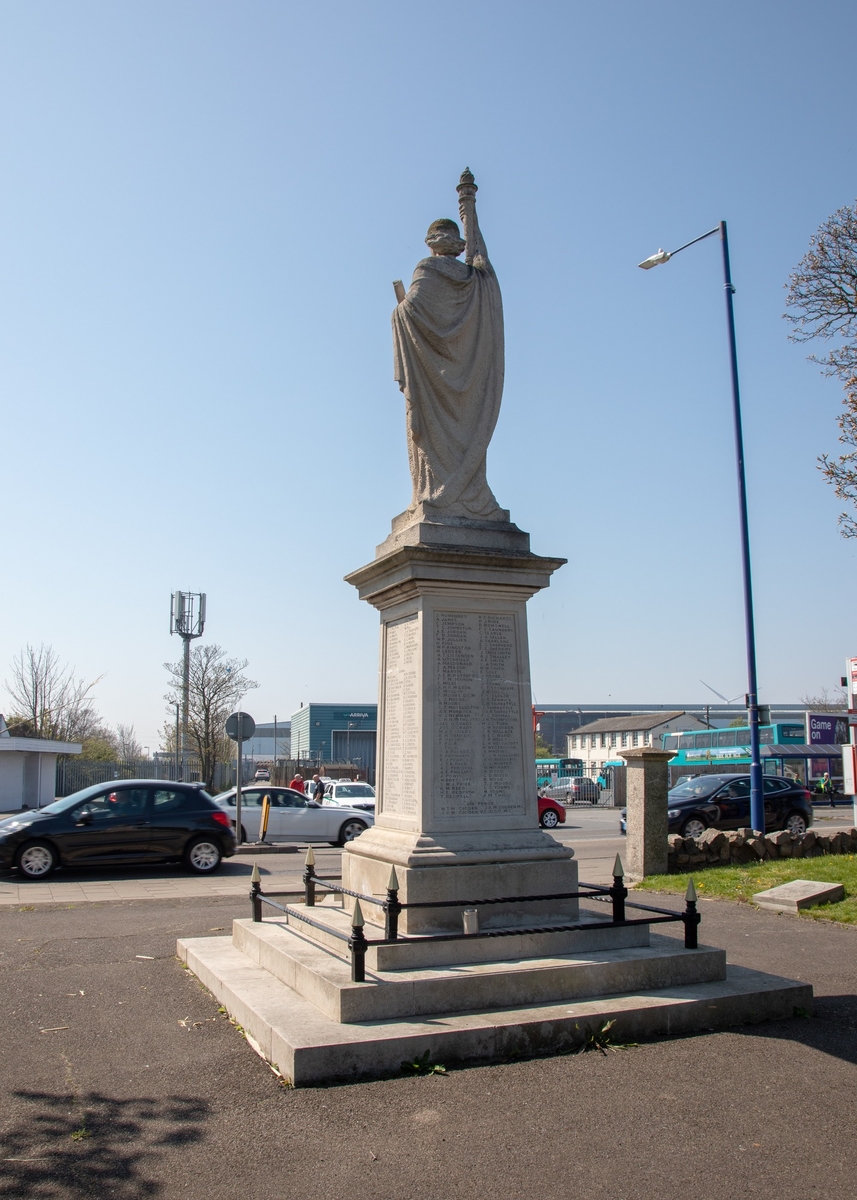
[[73, 774], [602, 787]]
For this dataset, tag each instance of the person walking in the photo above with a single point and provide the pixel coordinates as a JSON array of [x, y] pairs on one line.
[[828, 789], [297, 783], [318, 789]]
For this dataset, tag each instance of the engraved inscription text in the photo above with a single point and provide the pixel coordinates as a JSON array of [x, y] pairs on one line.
[[478, 762], [401, 733]]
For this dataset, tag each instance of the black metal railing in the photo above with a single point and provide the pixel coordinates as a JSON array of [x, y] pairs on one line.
[[358, 943]]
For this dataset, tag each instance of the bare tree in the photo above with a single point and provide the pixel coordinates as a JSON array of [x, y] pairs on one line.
[[216, 686], [48, 700], [823, 299], [127, 744], [825, 703]]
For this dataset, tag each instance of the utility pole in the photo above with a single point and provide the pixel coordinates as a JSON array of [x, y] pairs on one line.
[[187, 619]]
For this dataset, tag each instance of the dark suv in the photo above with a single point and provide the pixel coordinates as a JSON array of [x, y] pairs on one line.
[[703, 802], [125, 821]]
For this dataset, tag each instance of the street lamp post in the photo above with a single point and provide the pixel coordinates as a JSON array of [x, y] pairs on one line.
[[757, 805]]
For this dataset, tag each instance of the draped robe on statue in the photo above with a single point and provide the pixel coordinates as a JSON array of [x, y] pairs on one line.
[[448, 346]]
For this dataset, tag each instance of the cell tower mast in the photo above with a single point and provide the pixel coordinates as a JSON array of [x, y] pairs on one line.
[[187, 619]]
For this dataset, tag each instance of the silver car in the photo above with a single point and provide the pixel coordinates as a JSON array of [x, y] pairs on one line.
[[294, 817], [573, 788]]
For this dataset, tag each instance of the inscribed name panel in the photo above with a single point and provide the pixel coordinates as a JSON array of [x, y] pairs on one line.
[[401, 750], [478, 761]]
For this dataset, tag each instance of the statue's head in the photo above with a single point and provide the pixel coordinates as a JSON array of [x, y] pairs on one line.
[[444, 237]]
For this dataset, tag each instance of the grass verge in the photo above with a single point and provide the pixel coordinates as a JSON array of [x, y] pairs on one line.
[[741, 883]]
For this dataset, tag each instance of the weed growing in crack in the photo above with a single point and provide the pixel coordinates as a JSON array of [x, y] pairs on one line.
[[422, 1065], [600, 1039]]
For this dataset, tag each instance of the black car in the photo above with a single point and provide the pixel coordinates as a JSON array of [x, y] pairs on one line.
[[127, 821], [723, 802]]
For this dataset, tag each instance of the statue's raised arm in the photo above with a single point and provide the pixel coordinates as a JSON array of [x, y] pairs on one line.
[[449, 362], [475, 253]]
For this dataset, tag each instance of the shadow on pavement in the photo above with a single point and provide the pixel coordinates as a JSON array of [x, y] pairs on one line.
[[832, 1028], [70, 1147]]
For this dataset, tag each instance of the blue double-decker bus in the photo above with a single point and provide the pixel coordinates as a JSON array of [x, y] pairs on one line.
[[784, 751], [548, 769]]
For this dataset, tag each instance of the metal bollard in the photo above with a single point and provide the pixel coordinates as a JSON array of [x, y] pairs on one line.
[[691, 918], [255, 891], [618, 891], [357, 945], [392, 908], [309, 871]]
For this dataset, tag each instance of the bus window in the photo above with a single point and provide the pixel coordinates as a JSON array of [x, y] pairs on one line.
[[793, 733]]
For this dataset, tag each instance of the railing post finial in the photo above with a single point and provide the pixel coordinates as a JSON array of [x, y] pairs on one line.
[[618, 892], [255, 892], [392, 908], [691, 918], [309, 882], [357, 945]]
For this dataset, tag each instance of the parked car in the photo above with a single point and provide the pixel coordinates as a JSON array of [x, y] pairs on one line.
[[723, 802], [294, 817], [572, 788], [353, 795], [262, 773], [551, 813], [132, 821]]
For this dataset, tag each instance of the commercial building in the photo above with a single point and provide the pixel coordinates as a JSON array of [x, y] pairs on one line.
[[603, 741], [557, 721], [336, 733], [272, 739]]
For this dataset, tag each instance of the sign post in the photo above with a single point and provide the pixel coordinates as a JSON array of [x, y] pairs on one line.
[[240, 727], [849, 682], [266, 812]]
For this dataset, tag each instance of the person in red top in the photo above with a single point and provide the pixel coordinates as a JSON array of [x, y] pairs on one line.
[[297, 783]]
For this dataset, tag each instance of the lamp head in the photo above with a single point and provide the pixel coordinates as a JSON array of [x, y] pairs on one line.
[[655, 260]]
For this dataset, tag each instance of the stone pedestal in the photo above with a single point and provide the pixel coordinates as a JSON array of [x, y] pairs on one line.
[[647, 788], [457, 811]]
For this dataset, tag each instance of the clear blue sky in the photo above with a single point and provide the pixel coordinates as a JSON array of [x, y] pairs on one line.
[[204, 205]]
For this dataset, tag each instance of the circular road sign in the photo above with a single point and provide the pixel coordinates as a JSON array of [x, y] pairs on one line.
[[248, 726]]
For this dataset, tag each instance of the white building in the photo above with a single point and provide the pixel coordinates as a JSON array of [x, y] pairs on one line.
[[603, 741], [28, 770]]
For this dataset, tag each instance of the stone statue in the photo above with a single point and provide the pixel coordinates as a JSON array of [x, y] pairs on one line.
[[448, 346]]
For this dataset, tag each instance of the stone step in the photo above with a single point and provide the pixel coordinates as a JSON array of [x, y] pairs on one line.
[[308, 1048], [324, 980], [412, 954]]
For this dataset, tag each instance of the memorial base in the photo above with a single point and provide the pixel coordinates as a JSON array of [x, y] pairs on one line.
[[296, 1003], [457, 812], [471, 883]]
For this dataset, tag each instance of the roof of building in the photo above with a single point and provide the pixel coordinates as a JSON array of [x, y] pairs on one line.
[[38, 745], [639, 721]]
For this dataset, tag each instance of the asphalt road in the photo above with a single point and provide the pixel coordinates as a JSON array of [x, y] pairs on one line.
[[122, 1079], [592, 832]]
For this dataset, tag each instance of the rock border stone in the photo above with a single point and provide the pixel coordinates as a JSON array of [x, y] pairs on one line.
[[718, 848]]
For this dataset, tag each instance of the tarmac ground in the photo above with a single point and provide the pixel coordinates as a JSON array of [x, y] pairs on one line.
[[121, 1078], [592, 832]]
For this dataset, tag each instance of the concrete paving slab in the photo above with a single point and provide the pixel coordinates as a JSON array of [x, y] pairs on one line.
[[799, 894]]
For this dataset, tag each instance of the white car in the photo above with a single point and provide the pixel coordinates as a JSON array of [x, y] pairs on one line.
[[294, 817], [351, 795]]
